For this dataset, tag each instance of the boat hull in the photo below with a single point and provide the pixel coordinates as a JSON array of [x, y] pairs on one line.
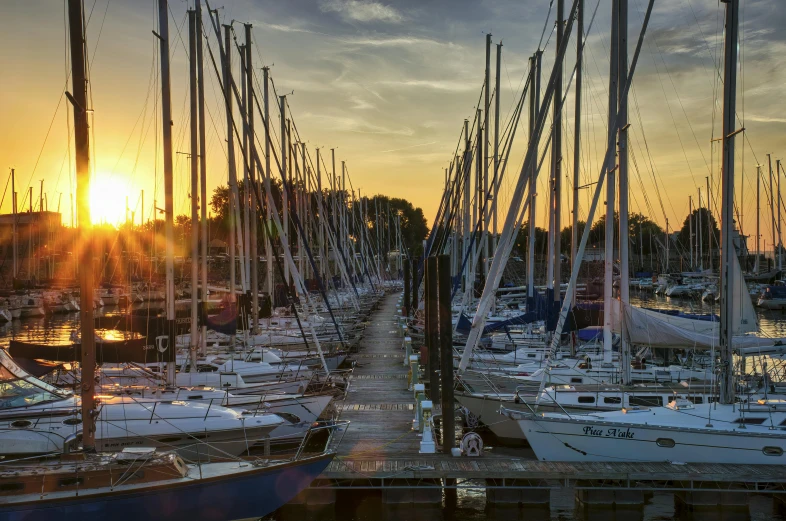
[[253, 493], [596, 440]]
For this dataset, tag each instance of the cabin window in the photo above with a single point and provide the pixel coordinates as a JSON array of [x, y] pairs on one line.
[[531, 355], [586, 399], [289, 417], [696, 399], [665, 442], [21, 424], [170, 439], [612, 399], [72, 421], [647, 401], [772, 451], [195, 397], [70, 482], [749, 421], [15, 487], [575, 380]]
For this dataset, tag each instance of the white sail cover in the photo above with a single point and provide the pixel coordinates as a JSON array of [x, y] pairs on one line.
[[654, 329]]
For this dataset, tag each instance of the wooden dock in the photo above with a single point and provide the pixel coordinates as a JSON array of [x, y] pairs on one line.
[[381, 451]]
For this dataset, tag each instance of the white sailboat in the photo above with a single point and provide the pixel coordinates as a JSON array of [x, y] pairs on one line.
[[722, 432]]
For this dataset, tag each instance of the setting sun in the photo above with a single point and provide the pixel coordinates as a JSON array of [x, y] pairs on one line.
[[108, 200]]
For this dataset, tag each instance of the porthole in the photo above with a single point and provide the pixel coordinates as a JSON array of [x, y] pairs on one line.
[[772, 451], [21, 424], [72, 421], [665, 442]]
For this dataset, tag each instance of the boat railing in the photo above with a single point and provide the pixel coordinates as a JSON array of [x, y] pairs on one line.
[[332, 443]]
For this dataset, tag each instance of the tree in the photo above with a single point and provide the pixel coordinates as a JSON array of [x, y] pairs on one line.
[[699, 216]]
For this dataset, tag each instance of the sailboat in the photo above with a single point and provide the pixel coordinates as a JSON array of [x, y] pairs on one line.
[[723, 432], [136, 483]]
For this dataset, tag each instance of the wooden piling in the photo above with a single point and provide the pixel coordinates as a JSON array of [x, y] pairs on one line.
[[432, 329], [446, 353], [407, 282]]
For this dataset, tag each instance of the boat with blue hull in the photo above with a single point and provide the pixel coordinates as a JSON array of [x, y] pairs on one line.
[[212, 491]]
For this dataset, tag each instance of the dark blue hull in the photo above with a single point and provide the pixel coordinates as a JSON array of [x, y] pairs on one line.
[[250, 494]]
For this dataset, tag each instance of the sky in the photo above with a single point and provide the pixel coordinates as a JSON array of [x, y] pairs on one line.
[[387, 84]]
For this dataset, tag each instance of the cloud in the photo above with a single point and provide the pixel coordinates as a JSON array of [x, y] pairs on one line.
[[362, 11], [407, 148], [764, 119], [442, 85]]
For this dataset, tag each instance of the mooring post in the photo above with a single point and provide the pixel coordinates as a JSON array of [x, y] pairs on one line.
[[446, 354], [407, 282], [432, 328]]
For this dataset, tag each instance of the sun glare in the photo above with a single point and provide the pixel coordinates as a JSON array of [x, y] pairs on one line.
[[107, 201]]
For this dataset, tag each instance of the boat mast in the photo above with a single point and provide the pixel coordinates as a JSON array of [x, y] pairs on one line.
[[252, 176], [534, 108], [622, 144], [690, 229], [285, 181], [700, 239], [610, 185], [82, 148], [496, 152], [13, 221], [232, 179], [574, 236], [202, 168], [556, 159], [758, 218], [266, 179], [192, 70], [709, 223], [727, 202], [778, 202], [166, 124], [485, 171], [772, 204]]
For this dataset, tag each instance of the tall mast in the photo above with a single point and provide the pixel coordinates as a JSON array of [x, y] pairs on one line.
[[574, 239], [253, 183], [202, 168], [82, 147], [266, 173], [192, 70], [700, 240], [467, 202], [244, 109], [778, 202], [534, 102], [610, 184], [322, 253], [496, 149], [485, 161], [232, 179], [727, 394], [166, 124], [690, 229], [772, 199], [479, 196], [285, 180], [758, 219], [622, 140], [709, 222], [556, 158], [13, 211]]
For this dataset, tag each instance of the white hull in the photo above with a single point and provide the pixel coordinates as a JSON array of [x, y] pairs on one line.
[[658, 434]]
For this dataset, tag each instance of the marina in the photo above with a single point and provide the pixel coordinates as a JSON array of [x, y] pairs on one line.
[[394, 276]]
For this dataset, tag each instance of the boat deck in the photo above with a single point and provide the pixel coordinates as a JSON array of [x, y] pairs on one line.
[[379, 448]]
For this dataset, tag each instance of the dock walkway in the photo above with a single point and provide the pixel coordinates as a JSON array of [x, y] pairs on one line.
[[380, 449]]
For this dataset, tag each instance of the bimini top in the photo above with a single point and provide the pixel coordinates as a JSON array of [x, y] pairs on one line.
[[20, 389]]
